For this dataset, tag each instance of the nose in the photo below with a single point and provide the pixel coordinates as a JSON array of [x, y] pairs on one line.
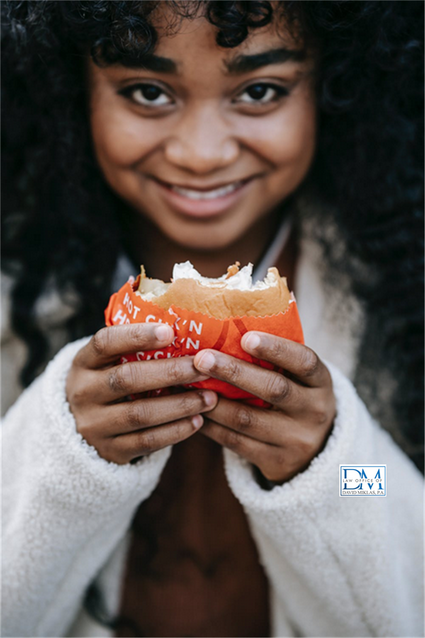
[[202, 142]]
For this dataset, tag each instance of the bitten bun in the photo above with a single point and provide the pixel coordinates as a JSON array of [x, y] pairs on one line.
[[208, 313], [232, 295]]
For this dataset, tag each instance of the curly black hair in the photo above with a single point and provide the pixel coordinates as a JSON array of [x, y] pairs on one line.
[[61, 220]]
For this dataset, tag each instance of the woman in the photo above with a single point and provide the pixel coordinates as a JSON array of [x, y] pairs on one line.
[[153, 133]]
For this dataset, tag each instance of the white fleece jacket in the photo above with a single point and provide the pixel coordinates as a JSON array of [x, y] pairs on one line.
[[338, 566]]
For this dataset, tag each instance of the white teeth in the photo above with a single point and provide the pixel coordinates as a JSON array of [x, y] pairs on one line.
[[218, 192]]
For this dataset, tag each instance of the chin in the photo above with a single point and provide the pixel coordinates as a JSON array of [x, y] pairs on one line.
[[202, 236], [201, 243], [204, 239]]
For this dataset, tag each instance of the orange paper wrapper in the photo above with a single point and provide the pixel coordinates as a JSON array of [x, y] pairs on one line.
[[195, 331]]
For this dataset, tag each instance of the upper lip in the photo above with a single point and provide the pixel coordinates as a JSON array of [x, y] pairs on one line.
[[203, 187]]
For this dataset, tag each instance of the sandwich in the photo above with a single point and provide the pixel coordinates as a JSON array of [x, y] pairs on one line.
[[208, 313], [231, 295]]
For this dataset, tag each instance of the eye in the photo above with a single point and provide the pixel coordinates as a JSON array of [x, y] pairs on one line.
[[146, 95], [262, 93]]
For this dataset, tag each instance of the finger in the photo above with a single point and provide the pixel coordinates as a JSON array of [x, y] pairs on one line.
[[130, 416], [141, 376], [268, 426], [256, 452], [272, 387], [276, 463], [128, 447], [298, 439], [110, 343], [297, 359]]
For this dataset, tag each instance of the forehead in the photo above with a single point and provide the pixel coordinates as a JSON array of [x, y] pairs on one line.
[[194, 38]]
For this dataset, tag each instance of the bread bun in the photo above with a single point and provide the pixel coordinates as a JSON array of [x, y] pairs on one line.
[[232, 295]]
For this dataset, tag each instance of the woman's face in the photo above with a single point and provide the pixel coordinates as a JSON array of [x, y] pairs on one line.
[[206, 141]]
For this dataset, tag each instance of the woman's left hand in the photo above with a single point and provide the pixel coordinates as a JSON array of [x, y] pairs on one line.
[[281, 441]]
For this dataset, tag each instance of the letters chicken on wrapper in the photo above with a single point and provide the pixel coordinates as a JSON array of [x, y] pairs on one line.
[[208, 313]]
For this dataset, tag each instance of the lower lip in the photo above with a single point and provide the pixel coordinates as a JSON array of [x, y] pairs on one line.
[[198, 208]]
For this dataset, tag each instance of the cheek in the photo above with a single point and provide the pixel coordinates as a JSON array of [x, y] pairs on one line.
[[120, 138], [287, 141]]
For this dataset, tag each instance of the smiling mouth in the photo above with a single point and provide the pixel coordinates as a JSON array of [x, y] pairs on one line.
[[202, 194]]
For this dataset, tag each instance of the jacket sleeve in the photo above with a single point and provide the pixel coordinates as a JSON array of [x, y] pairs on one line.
[[65, 508], [341, 566]]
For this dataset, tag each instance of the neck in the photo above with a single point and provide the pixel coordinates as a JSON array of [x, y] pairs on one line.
[[147, 245]]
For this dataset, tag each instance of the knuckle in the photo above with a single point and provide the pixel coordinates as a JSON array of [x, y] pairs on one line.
[[139, 336], [79, 358], [310, 363], [305, 445], [232, 369], [118, 379], [114, 453], [137, 414], [139, 444], [278, 389], [274, 469], [145, 442], [100, 341], [190, 403], [76, 393], [131, 375], [174, 369], [119, 459], [233, 440], [280, 459], [244, 418], [119, 421], [91, 433], [181, 429], [84, 429], [321, 413], [278, 348]]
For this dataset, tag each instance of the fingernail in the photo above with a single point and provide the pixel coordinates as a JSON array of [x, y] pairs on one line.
[[163, 333], [206, 361], [252, 341], [209, 398], [197, 421]]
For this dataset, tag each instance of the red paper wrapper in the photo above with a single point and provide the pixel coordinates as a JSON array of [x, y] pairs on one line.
[[195, 331]]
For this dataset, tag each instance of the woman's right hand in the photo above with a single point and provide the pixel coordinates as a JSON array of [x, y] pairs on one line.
[[98, 386]]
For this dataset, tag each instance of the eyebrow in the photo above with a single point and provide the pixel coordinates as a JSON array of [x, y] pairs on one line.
[[238, 65], [156, 63], [247, 63]]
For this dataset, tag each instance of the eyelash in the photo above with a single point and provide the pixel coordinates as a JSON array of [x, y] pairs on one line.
[[128, 92], [280, 92]]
